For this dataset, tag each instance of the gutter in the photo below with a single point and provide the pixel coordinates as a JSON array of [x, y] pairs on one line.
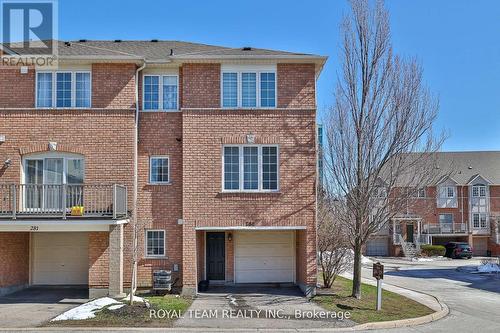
[[136, 180]]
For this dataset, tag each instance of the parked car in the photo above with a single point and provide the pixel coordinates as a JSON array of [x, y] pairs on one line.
[[458, 250]]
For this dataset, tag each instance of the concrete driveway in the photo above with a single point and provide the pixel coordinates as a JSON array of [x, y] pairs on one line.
[[473, 299], [34, 306], [254, 307]]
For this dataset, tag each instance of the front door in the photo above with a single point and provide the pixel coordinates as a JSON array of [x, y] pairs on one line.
[[409, 232], [215, 256]]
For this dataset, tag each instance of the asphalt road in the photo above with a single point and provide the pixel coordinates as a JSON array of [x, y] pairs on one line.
[[473, 299]]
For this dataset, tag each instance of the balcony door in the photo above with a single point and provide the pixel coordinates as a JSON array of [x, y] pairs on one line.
[[53, 179], [44, 177]]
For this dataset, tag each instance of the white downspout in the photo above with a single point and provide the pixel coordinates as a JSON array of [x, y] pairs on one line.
[[136, 182]]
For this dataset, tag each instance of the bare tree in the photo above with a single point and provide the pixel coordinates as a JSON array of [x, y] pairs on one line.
[[380, 145], [333, 245]]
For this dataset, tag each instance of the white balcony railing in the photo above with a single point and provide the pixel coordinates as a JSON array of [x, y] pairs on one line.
[[62, 201], [445, 228]]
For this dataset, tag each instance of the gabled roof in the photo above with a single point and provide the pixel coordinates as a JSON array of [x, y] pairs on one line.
[[156, 50], [478, 176]]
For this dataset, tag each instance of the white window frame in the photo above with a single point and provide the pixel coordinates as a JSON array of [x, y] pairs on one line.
[[260, 188], [54, 89], [164, 255], [43, 156], [239, 71], [481, 217], [447, 193], [420, 193], [160, 92], [481, 191], [151, 173], [448, 214]]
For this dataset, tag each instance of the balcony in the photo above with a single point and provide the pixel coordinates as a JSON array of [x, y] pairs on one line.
[[34, 201], [445, 228]]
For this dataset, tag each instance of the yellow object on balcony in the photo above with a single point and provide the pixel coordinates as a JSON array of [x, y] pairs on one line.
[[77, 211]]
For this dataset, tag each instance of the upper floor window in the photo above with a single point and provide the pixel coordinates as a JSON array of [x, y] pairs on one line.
[[159, 170], [478, 191], [250, 168], [160, 92], [447, 191], [445, 218], [479, 221], [248, 89], [63, 89], [419, 193]]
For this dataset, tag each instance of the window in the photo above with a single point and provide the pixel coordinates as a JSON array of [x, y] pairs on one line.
[[479, 191], [82, 90], [159, 170], [67, 89], [44, 90], [250, 168], [230, 90], [155, 243], [479, 221], [248, 89], [450, 192], [169, 92], [270, 168], [445, 218], [231, 168], [419, 193], [160, 92], [267, 90]]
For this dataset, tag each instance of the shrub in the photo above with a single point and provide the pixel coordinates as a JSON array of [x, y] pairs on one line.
[[433, 250]]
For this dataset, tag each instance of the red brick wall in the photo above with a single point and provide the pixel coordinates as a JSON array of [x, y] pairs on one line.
[[14, 258], [78, 131], [205, 132], [159, 206], [113, 86], [200, 258], [17, 90], [296, 86], [201, 86], [98, 260]]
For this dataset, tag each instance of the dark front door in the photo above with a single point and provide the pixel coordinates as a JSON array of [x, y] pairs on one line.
[[409, 233], [216, 256]]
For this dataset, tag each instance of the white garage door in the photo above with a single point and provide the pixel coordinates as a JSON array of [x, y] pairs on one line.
[[60, 258], [264, 257], [479, 246], [377, 247]]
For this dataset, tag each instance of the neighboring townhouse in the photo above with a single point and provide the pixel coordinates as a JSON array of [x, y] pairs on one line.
[[226, 166], [464, 205]]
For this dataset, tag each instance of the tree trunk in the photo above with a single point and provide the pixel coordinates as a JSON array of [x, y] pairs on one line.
[[356, 281]]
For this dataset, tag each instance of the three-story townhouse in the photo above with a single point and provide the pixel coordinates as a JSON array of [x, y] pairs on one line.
[[463, 205], [226, 166]]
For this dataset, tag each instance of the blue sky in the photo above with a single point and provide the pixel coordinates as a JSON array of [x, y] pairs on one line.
[[457, 42]]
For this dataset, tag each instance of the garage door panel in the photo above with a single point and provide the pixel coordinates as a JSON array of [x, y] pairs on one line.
[[264, 257], [377, 247], [260, 250], [60, 258], [250, 263], [260, 276]]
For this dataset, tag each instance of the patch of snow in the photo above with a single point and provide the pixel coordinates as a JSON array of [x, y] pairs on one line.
[[87, 310], [488, 268], [116, 307], [135, 299]]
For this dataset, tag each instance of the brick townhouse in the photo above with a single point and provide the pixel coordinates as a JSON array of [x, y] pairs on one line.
[[464, 205], [226, 166]]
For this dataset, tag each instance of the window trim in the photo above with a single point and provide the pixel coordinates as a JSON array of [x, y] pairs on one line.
[[479, 187], [43, 156], [260, 188], [155, 256], [160, 93], [53, 104], [239, 88], [449, 214], [151, 182], [479, 215]]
